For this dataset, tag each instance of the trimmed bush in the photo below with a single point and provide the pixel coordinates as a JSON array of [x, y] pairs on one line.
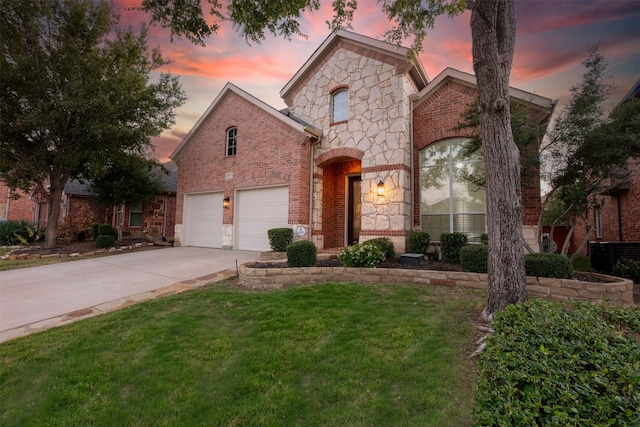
[[280, 238], [544, 264], [628, 268], [107, 230], [104, 241], [95, 230], [385, 245], [473, 258], [361, 255], [484, 239], [301, 254], [549, 364], [450, 244], [418, 242]]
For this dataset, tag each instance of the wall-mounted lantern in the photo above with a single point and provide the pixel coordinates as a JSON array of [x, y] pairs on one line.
[[225, 203], [380, 188]]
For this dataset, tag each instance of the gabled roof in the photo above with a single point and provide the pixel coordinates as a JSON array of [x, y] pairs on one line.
[[634, 92], [308, 130], [545, 104], [416, 70]]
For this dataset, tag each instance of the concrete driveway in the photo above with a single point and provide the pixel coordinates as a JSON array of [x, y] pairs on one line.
[[37, 298]]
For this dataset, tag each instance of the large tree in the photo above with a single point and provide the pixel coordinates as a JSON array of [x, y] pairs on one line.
[[493, 30], [587, 149], [76, 90]]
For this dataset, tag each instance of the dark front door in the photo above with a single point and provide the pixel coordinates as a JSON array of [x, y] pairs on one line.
[[354, 210]]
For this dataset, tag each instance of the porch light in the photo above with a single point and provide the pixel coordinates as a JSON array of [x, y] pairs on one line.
[[225, 203], [380, 188]]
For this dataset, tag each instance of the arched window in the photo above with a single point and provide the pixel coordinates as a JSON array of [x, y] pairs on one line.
[[232, 141], [449, 202], [339, 105]]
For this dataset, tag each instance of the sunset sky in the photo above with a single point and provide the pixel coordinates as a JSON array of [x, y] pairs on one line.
[[553, 37]]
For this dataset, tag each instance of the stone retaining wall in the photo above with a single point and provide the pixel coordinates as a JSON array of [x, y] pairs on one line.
[[619, 291]]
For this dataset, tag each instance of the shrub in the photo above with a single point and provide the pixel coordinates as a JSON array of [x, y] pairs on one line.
[[628, 268], [106, 230], [450, 244], [551, 364], [544, 264], [361, 255], [385, 245], [280, 238], [18, 232], [418, 242], [95, 230], [473, 258], [484, 239], [301, 254], [104, 241]]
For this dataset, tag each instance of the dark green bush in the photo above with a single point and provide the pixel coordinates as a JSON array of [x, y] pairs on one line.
[[280, 238], [554, 365], [17, 232], [473, 258], [95, 228], [418, 242], [106, 230], [450, 244], [628, 268], [301, 254], [484, 239], [104, 241], [544, 264], [386, 246]]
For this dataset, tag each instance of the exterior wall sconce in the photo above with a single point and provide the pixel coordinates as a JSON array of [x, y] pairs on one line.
[[225, 203], [380, 188]]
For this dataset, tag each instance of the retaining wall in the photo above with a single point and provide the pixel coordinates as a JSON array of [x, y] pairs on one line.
[[619, 291]]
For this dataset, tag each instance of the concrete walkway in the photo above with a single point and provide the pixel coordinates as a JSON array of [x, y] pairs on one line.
[[37, 298]]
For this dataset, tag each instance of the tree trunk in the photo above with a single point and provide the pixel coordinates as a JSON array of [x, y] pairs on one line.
[[56, 187], [493, 33]]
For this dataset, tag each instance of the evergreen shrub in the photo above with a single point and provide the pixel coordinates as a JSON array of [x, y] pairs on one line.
[[544, 264], [106, 230], [628, 268], [473, 258], [418, 242], [301, 254], [484, 239], [361, 255], [450, 245], [105, 241], [280, 238], [386, 245], [551, 364], [19, 232]]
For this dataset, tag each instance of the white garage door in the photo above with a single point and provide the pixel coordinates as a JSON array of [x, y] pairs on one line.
[[203, 220], [259, 210]]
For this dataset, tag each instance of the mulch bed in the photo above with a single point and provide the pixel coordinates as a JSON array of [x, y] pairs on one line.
[[80, 247]]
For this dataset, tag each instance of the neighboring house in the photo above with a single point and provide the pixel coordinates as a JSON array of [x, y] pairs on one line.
[[18, 205], [154, 219], [366, 148], [617, 219]]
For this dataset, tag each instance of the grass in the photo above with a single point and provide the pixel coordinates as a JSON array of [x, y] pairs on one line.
[[322, 355]]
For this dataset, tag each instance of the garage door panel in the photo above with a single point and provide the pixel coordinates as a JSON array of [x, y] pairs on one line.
[[203, 220], [259, 210]]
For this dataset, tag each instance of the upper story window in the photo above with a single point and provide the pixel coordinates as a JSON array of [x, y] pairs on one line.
[[339, 105], [232, 141]]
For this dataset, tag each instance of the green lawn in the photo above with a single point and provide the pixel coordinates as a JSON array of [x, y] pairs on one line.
[[322, 355]]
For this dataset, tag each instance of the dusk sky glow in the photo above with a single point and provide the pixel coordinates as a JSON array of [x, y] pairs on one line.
[[553, 37]]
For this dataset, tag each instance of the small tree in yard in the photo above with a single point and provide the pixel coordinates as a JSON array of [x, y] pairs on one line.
[[493, 30], [127, 179], [75, 92], [587, 149]]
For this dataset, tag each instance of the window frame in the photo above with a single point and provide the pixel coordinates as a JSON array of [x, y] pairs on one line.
[[450, 166], [133, 210], [344, 110], [231, 142]]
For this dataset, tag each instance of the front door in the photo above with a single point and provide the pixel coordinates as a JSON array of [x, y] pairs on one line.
[[354, 209]]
